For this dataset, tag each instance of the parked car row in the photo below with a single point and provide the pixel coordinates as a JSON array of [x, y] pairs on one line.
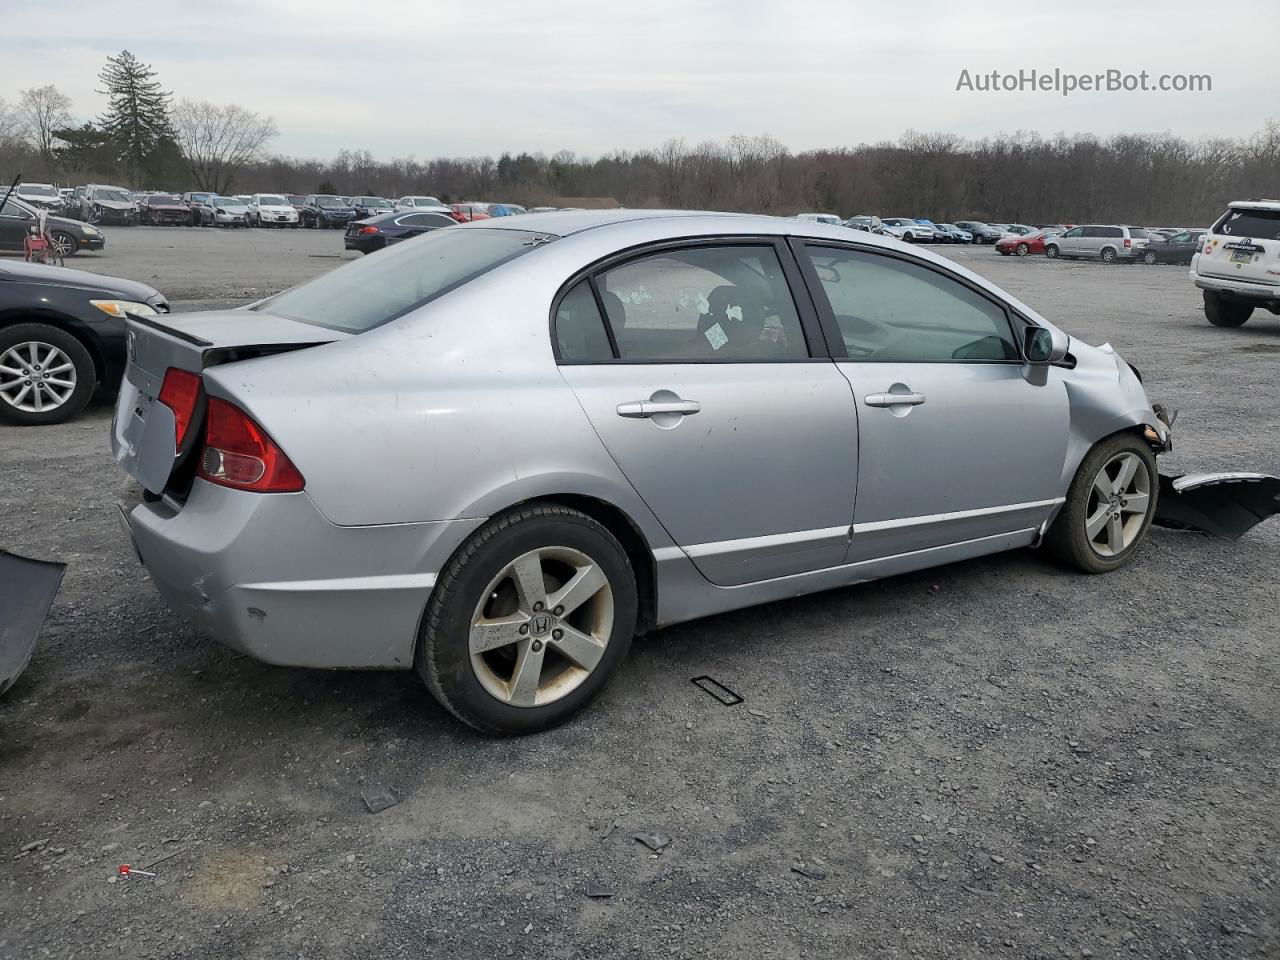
[[920, 230]]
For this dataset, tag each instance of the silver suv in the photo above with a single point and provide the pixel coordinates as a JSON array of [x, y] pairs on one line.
[[1238, 267], [1098, 241]]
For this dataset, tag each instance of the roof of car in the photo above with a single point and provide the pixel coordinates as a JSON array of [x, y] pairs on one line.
[[1258, 204]]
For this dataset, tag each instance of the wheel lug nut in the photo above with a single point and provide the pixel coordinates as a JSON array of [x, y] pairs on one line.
[[559, 611], [537, 646], [557, 634], [537, 607], [524, 629]]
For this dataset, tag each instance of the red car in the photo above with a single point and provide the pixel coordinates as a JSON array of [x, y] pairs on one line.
[[466, 212], [1025, 244]]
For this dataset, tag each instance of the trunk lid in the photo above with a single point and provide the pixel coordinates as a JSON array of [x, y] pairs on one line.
[[1244, 244], [143, 434]]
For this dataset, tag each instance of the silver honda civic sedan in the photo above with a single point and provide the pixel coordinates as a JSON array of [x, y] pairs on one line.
[[496, 453]]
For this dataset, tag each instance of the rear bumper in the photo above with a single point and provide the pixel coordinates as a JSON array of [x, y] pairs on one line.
[[1260, 292], [270, 576], [364, 244]]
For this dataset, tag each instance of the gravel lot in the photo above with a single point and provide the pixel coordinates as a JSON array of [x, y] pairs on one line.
[[993, 759]]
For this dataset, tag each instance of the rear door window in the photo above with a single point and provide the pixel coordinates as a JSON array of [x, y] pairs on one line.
[[580, 332], [1252, 224], [703, 304]]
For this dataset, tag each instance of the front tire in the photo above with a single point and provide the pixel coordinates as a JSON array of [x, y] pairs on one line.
[[1225, 313], [1149, 257], [528, 621], [64, 244], [1022, 249], [46, 375], [1051, 251], [1109, 506]]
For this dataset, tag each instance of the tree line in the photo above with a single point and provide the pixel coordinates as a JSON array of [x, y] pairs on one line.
[[146, 139]]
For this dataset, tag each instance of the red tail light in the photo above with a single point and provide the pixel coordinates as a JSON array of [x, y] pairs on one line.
[[1128, 242], [180, 392], [369, 229], [239, 454]]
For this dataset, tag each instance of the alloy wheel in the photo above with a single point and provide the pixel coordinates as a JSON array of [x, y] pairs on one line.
[[36, 377], [1022, 249], [1118, 503], [63, 245], [541, 627]]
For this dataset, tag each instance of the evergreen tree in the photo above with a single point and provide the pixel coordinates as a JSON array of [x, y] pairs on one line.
[[137, 117]]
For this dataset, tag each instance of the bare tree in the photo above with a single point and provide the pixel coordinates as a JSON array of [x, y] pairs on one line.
[[43, 110], [219, 141], [11, 126]]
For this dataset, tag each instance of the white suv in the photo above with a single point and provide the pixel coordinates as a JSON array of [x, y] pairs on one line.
[[1238, 266], [271, 210]]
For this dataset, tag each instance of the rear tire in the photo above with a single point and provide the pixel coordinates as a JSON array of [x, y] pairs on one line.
[[1108, 255], [1225, 313], [478, 589], [1022, 249], [67, 350], [1098, 505]]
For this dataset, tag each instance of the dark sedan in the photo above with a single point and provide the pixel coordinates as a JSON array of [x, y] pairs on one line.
[[374, 233], [323, 210], [68, 236], [62, 336], [161, 208], [1179, 248], [367, 207]]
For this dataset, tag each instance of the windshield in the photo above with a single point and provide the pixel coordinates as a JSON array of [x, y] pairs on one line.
[[267, 200], [426, 202], [38, 190], [369, 201], [296, 199], [227, 202], [373, 291], [118, 196], [163, 198], [328, 202], [1252, 224]]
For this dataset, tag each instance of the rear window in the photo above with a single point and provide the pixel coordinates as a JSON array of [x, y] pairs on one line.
[[376, 290], [1254, 224], [1139, 234]]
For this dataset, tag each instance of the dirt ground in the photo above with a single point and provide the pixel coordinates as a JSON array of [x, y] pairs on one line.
[[994, 759]]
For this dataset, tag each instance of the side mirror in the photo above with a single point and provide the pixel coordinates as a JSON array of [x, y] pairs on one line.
[[1042, 345]]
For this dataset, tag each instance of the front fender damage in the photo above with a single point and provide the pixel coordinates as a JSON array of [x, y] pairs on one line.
[[1226, 505]]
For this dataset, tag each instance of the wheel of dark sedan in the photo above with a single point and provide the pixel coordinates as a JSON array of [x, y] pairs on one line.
[[1022, 249], [1149, 257], [64, 244], [1225, 313], [1108, 255], [1109, 506], [528, 621], [1051, 251], [46, 375]]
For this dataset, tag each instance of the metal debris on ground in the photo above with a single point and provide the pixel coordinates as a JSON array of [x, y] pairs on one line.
[[654, 841], [717, 690], [378, 800], [597, 891]]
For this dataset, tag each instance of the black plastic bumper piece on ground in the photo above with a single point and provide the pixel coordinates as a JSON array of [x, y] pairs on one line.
[[27, 589], [1225, 505]]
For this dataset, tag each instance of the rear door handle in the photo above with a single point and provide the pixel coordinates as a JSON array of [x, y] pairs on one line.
[[893, 399], [652, 408]]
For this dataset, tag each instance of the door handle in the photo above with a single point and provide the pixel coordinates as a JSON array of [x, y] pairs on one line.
[[652, 408], [893, 399]]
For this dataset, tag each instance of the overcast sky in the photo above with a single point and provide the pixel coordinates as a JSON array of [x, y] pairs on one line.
[[447, 78]]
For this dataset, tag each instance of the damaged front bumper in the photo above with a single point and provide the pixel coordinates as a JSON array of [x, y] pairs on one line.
[[27, 589], [1226, 505]]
